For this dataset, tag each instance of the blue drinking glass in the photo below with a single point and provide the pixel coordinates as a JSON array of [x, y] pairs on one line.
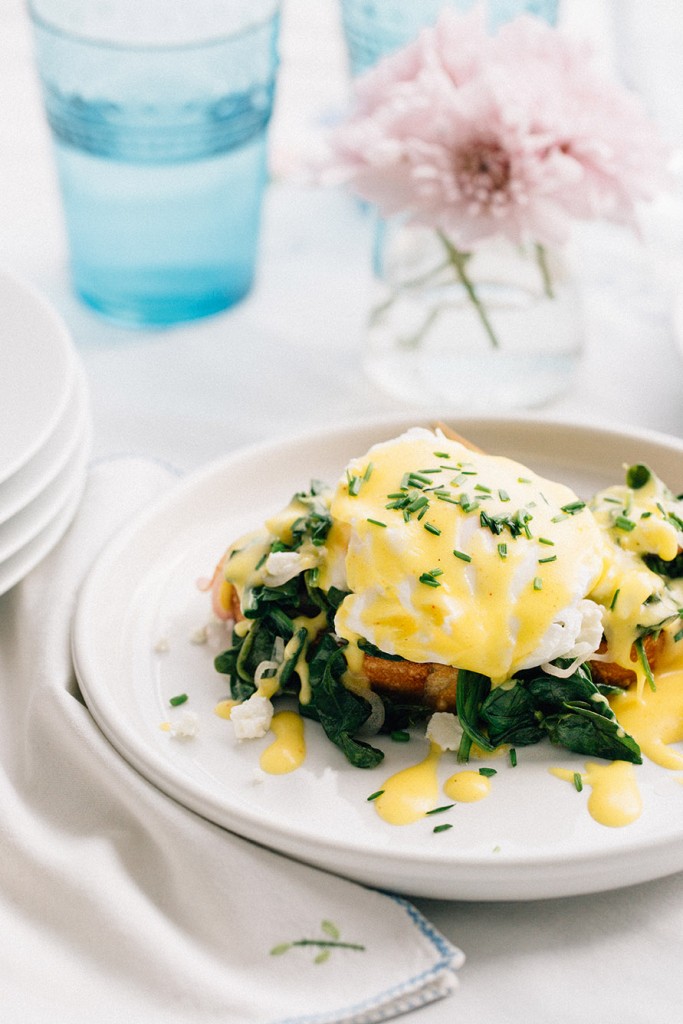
[[159, 114], [374, 28]]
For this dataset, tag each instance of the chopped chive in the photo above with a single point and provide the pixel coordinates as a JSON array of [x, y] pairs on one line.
[[354, 485], [374, 796], [513, 757], [442, 455], [423, 512], [429, 580], [573, 507], [551, 558], [419, 478], [523, 480], [488, 773], [429, 471], [678, 636], [481, 487], [430, 528], [376, 522], [544, 540], [180, 699], [368, 471], [578, 781], [624, 523], [503, 495], [612, 501], [446, 497], [613, 602], [640, 648], [457, 480], [645, 515], [400, 736], [436, 572], [538, 583], [560, 517], [503, 550], [441, 828], [462, 555], [313, 575], [417, 503], [438, 810], [396, 494], [262, 560]]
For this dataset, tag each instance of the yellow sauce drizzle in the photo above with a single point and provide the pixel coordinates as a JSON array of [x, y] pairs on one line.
[[409, 794], [615, 800], [224, 708], [287, 752], [655, 718], [467, 786]]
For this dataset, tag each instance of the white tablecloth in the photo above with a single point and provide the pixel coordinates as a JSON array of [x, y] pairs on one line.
[[288, 358]]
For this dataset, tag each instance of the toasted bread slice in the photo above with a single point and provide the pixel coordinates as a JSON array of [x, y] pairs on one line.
[[610, 674], [423, 683]]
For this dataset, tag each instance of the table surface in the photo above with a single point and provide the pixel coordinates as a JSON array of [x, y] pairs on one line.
[[288, 359]]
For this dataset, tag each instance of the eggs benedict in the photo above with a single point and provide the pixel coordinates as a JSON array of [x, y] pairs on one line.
[[434, 577]]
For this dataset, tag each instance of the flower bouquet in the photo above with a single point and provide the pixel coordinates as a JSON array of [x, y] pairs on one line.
[[478, 152]]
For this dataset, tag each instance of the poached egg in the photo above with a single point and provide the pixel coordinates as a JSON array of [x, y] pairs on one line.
[[461, 558]]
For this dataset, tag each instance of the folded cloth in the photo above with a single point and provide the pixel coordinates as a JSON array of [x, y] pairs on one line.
[[117, 903]]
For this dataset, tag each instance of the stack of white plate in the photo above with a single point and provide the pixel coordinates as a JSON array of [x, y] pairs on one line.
[[44, 429]]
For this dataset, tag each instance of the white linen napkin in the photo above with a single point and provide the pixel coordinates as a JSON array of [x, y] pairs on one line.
[[118, 904]]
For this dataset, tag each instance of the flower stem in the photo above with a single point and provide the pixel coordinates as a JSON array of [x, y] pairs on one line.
[[459, 261], [542, 260], [416, 282]]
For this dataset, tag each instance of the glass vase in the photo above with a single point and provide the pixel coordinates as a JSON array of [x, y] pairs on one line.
[[496, 329]]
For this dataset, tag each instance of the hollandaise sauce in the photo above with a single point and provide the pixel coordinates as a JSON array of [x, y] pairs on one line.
[[224, 708], [467, 786], [615, 799], [655, 718], [411, 793], [288, 750]]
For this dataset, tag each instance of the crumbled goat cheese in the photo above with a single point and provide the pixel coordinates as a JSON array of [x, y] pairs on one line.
[[252, 718], [186, 727], [282, 566], [445, 730]]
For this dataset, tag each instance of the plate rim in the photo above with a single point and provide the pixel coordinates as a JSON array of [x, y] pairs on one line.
[[61, 336], [156, 769]]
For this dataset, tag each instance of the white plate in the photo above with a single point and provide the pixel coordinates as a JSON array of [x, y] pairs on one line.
[[40, 471], [532, 837], [38, 365], [18, 565], [18, 531]]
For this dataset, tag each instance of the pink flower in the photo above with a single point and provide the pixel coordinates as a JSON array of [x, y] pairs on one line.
[[512, 135]]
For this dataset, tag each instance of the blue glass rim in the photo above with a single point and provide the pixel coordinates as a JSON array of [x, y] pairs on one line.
[[58, 31]]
